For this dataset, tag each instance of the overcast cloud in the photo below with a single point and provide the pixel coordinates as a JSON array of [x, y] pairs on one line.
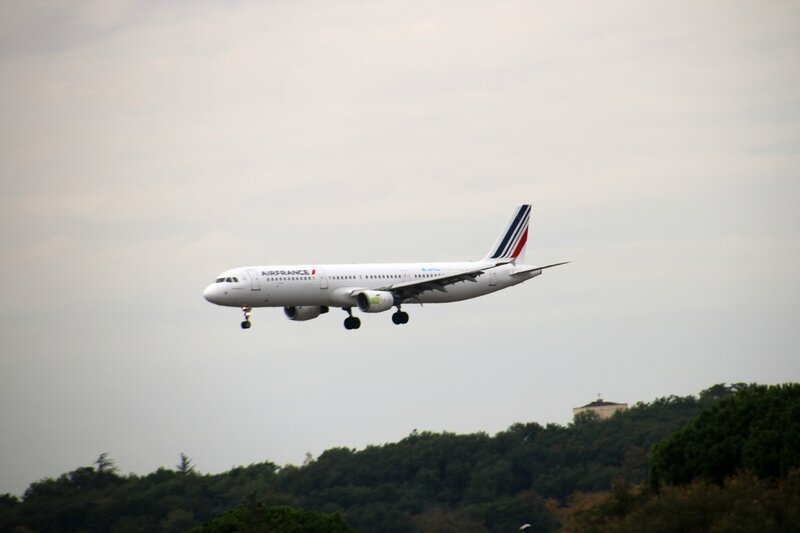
[[146, 147]]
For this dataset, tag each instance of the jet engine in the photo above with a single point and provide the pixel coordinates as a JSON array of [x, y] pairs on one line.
[[304, 312], [375, 301]]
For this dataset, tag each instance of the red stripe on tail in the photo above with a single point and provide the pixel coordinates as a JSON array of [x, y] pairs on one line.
[[521, 244]]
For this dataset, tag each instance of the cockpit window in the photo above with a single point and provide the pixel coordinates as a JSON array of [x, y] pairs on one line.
[[220, 280], [236, 280]]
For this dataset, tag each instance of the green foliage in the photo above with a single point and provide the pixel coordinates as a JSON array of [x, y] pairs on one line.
[[258, 518], [99, 499], [185, 466], [105, 465], [443, 520], [757, 429], [742, 503], [425, 482]]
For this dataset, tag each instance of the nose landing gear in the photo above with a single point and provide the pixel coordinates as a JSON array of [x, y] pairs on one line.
[[246, 310]]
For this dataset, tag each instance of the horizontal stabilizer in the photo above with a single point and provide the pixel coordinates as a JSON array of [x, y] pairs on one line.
[[533, 269]]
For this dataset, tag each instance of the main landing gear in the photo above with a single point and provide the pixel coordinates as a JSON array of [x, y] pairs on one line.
[[351, 322], [246, 310], [400, 317]]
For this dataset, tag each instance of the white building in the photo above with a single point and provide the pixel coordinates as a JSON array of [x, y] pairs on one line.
[[603, 408]]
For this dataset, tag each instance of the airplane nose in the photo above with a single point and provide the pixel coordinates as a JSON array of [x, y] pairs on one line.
[[211, 293]]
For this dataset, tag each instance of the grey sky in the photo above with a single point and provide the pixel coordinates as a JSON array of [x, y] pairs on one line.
[[145, 148]]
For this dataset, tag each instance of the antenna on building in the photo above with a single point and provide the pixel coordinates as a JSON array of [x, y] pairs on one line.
[[603, 408]]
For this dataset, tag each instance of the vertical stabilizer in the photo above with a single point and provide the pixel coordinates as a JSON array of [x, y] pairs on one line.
[[510, 244]]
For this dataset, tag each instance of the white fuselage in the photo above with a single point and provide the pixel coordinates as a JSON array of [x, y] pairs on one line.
[[336, 285], [307, 291]]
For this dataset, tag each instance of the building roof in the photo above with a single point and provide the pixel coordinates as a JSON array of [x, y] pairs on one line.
[[600, 403]]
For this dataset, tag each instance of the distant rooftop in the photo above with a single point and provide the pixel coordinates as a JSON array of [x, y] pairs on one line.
[[600, 403]]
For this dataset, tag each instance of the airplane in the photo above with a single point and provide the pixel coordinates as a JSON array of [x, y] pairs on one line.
[[307, 291]]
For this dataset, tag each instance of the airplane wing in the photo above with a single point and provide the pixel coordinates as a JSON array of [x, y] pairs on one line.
[[411, 289]]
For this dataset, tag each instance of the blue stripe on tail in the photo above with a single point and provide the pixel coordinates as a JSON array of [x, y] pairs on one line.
[[512, 233], [512, 244]]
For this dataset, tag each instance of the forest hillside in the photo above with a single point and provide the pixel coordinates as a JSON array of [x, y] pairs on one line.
[[553, 477]]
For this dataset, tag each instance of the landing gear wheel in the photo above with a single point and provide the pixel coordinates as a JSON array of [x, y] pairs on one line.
[[352, 322], [400, 317], [246, 310]]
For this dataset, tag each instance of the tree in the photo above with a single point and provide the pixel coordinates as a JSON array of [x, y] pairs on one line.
[[261, 518], [105, 465], [185, 466], [756, 429], [178, 520], [435, 481], [741, 503]]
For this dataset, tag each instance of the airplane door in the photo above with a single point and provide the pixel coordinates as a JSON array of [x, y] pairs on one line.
[[404, 273], [492, 279], [323, 280], [255, 280]]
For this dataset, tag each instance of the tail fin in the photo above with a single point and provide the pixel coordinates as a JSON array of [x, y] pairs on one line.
[[510, 244]]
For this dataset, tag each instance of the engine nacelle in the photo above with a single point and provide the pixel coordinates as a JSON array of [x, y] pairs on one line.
[[374, 301], [304, 312]]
